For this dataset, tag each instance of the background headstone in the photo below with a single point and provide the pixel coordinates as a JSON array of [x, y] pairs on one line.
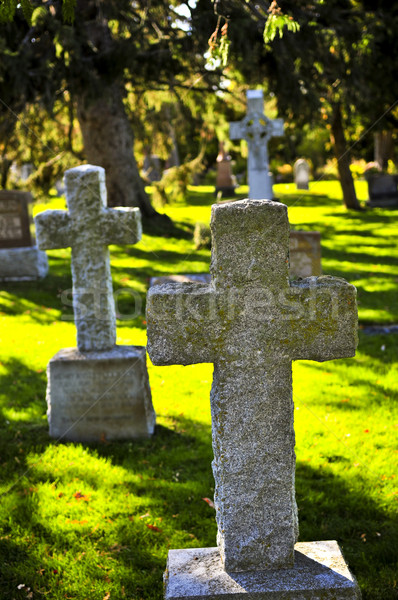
[[251, 323], [383, 190], [152, 167], [301, 170], [257, 130], [304, 254], [225, 180], [98, 390], [20, 259]]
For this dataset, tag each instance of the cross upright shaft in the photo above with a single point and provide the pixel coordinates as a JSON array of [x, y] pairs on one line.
[[88, 229], [251, 323]]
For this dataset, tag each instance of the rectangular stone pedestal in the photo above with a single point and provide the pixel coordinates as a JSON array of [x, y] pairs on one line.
[[320, 573], [22, 264], [93, 396]]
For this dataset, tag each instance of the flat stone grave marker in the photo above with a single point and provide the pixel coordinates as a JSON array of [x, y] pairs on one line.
[[20, 259], [97, 390], [301, 171], [257, 130], [383, 190], [305, 254], [251, 322]]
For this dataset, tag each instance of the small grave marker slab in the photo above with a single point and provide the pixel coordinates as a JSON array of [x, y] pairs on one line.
[[383, 190], [20, 259], [15, 219], [301, 170], [305, 254], [251, 322]]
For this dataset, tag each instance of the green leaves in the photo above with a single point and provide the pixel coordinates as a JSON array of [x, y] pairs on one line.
[[275, 24], [68, 10], [8, 9]]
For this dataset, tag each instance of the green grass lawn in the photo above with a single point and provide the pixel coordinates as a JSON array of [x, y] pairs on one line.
[[95, 521]]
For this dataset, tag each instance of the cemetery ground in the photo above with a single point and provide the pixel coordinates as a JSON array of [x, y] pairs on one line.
[[95, 521]]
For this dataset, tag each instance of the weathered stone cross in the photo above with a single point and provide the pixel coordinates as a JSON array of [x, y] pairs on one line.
[[88, 229], [251, 323], [257, 130]]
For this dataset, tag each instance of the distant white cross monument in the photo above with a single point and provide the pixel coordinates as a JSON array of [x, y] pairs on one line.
[[257, 130]]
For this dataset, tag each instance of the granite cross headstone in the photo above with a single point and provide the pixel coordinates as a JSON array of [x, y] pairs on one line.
[[257, 130], [20, 259], [88, 229], [100, 389], [251, 322]]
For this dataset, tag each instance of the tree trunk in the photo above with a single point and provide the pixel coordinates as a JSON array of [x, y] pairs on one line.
[[107, 135], [5, 165], [342, 154], [108, 142]]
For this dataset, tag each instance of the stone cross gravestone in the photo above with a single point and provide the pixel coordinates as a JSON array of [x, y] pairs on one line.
[[257, 130], [301, 170], [98, 390], [20, 259], [251, 322]]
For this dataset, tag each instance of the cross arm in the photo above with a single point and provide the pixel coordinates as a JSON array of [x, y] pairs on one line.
[[327, 326], [181, 322], [121, 226], [53, 229]]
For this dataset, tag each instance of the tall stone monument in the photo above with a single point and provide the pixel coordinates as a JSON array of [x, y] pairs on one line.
[[251, 322], [97, 390], [20, 258], [225, 180], [257, 130]]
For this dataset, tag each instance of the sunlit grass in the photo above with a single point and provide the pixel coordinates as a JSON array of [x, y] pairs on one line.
[[95, 521]]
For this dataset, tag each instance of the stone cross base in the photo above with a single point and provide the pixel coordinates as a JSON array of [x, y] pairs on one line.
[[23, 264], [320, 573], [95, 396]]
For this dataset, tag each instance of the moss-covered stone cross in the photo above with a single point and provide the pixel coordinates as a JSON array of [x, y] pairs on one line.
[[88, 228], [251, 322]]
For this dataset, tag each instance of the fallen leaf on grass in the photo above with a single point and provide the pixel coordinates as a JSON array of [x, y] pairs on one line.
[[209, 502], [76, 522], [107, 596], [80, 496], [153, 527]]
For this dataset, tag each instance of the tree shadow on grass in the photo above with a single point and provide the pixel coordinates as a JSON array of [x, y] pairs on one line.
[[179, 231], [174, 474], [334, 508]]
